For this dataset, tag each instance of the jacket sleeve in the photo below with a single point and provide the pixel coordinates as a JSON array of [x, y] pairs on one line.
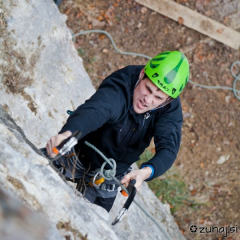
[[167, 138], [107, 104]]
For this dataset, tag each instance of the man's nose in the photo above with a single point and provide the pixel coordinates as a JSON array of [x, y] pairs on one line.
[[148, 98]]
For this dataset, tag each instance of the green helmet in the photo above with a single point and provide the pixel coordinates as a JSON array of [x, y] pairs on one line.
[[169, 71]]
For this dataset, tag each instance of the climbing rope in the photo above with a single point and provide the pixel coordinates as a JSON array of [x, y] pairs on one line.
[[113, 43], [237, 77], [110, 174]]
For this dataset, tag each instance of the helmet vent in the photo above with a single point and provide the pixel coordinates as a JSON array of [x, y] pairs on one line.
[[155, 75]]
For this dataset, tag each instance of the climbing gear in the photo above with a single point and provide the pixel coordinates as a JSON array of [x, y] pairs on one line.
[[97, 180], [67, 147], [56, 163], [169, 71], [129, 188], [132, 192], [108, 187], [236, 77], [110, 174], [69, 112], [67, 144], [73, 159]]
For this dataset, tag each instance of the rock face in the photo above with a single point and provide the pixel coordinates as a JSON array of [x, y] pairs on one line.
[[41, 74], [32, 179], [27, 174], [17, 221], [137, 225], [41, 77]]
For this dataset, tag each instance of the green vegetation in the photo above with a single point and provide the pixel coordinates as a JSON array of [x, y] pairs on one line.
[[169, 187], [82, 52]]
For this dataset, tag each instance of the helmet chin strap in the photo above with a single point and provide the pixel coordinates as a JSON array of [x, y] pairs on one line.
[[168, 100], [139, 79], [136, 84]]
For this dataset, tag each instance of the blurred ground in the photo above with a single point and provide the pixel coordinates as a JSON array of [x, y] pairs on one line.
[[209, 156]]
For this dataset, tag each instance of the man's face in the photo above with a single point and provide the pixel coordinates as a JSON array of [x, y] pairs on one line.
[[147, 96]]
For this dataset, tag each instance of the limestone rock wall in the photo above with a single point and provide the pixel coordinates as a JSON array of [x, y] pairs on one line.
[[32, 179], [27, 174], [17, 221], [41, 75]]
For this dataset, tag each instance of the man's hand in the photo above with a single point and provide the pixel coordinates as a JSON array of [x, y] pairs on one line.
[[140, 175], [55, 141]]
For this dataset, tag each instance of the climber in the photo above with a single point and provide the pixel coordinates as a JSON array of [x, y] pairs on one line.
[[130, 107]]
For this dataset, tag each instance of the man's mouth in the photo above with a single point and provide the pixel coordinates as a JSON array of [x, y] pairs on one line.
[[142, 104]]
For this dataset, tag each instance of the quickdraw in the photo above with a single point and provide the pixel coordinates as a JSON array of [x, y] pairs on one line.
[[132, 192], [67, 144]]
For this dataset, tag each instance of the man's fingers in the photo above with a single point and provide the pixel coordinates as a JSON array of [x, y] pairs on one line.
[[125, 184], [55, 141], [50, 145], [49, 149], [125, 179], [138, 188]]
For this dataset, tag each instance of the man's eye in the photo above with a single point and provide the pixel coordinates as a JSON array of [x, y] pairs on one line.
[[149, 89]]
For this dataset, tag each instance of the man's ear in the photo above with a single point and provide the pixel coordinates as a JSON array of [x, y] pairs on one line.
[[141, 75]]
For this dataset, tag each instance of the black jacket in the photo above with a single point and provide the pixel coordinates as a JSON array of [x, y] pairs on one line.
[[108, 121]]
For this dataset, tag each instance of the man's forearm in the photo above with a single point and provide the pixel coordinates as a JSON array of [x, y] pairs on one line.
[[146, 171]]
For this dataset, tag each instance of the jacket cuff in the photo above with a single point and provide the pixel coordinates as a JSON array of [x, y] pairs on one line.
[[151, 166]]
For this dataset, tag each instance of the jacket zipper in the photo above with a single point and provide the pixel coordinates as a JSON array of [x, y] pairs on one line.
[[146, 116], [127, 137]]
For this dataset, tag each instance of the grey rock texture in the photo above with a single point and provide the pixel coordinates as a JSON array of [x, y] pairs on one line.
[[41, 75], [17, 221], [137, 225], [31, 178]]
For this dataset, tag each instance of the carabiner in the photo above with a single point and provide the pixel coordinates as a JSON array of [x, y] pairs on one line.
[[99, 181], [132, 192]]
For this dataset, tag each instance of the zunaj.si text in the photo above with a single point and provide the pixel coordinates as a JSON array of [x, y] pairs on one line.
[[223, 230]]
